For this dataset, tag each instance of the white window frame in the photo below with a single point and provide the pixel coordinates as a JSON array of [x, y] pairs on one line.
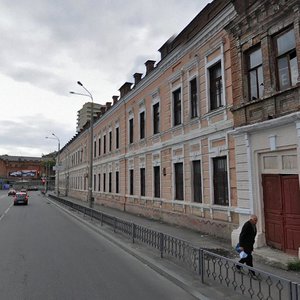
[[156, 163], [190, 97], [155, 100], [142, 110], [130, 117], [208, 65], [178, 159], [175, 88]]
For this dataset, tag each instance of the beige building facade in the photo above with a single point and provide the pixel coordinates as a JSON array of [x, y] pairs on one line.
[[163, 149]]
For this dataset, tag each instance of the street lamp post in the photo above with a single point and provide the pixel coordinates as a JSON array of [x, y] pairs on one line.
[[90, 179], [58, 160]]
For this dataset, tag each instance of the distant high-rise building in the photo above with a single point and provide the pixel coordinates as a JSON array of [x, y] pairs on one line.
[[84, 114]]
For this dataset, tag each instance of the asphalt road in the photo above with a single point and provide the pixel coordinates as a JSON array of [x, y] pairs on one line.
[[46, 254]]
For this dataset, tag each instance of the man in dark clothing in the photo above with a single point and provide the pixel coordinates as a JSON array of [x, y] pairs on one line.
[[246, 241]]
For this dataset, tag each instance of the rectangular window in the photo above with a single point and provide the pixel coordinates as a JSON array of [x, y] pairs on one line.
[[255, 74], [287, 67], [178, 181], [109, 182], [99, 181], [156, 171], [220, 181], [117, 137], [131, 182], [95, 178], [143, 181], [142, 125], [95, 148], [130, 131], [156, 118], [99, 146], [117, 182], [216, 88], [177, 107], [104, 144], [104, 182], [197, 190], [194, 98], [110, 141]]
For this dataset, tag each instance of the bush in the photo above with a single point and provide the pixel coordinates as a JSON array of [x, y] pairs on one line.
[[294, 265]]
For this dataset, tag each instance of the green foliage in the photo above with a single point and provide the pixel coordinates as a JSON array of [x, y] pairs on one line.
[[48, 163], [294, 265]]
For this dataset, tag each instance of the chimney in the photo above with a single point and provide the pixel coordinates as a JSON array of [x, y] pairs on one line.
[[115, 99], [102, 110], [137, 78], [108, 105], [125, 89], [149, 66]]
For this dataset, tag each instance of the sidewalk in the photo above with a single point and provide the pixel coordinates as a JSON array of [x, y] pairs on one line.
[[266, 258]]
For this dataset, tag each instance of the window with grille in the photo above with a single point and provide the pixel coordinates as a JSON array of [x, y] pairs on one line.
[[220, 181]]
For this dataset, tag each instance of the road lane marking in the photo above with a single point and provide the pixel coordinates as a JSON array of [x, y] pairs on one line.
[[3, 215]]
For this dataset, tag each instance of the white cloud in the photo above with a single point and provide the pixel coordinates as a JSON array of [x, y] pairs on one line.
[[47, 45]]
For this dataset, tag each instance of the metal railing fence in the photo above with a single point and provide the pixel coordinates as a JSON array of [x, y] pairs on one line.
[[212, 268]]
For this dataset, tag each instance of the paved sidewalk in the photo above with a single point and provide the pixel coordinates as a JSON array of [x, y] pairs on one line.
[[265, 259]]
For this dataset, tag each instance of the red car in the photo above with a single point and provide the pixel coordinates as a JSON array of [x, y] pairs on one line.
[[21, 198]]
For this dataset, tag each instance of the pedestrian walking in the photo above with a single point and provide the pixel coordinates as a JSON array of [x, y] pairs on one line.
[[246, 241]]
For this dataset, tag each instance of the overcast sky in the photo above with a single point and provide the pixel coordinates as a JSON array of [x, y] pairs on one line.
[[48, 45]]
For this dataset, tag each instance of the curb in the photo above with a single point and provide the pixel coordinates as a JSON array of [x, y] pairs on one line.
[[163, 271], [271, 262]]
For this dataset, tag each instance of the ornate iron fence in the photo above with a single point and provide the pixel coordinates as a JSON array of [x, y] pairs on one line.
[[212, 268]]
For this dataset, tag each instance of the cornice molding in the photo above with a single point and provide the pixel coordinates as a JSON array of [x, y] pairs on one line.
[[277, 122]]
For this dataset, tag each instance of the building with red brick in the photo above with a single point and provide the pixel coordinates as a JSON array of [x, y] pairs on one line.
[[17, 168], [265, 56]]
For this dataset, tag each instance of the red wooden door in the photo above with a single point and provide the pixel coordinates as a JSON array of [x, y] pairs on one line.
[[291, 213], [282, 211], [273, 208]]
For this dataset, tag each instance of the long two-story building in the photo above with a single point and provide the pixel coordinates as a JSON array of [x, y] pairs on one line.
[[206, 134]]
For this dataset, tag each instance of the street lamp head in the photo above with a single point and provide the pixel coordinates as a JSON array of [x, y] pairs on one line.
[[72, 92], [79, 83]]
